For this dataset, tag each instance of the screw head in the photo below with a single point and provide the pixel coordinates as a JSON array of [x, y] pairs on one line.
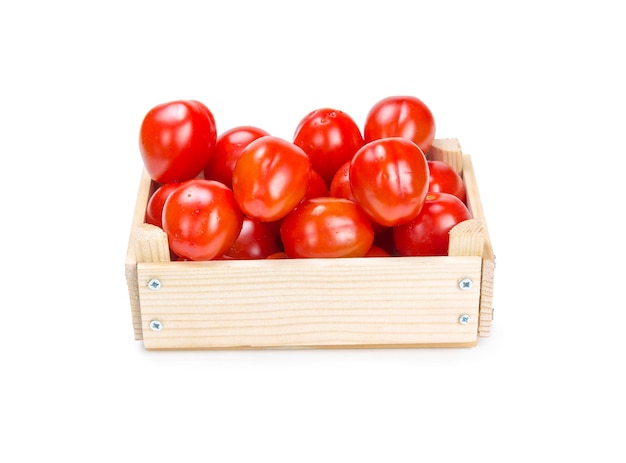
[[466, 284], [156, 325], [465, 319], [154, 284]]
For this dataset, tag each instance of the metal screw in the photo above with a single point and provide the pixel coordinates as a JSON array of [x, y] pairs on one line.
[[466, 284], [156, 325], [154, 284], [465, 319]]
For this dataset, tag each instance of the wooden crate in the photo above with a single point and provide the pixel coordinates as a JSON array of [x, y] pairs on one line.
[[315, 303]]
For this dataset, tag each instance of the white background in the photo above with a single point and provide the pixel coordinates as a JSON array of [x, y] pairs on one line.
[[533, 90]]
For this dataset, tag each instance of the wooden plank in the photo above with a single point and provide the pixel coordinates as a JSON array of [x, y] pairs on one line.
[[310, 302], [467, 239], [489, 260], [143, 194], [447, 150]]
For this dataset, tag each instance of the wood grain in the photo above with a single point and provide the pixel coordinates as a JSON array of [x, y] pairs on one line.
[[447, 150], [308, 303], [489, 259], [139, 214]]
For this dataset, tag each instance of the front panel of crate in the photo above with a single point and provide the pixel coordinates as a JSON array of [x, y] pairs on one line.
[[308, 303]]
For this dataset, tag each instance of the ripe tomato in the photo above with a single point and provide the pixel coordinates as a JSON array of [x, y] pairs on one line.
[[154, 208], [401, 116], [271, 177], [278, 255], [340, 185], [389, 180], [384, 240], [327, 227], [201, 219], [176, 140], [376, 251], [329, 137], [316, 187], [427, 234], [257, 240], [227, 151], [443, 178]]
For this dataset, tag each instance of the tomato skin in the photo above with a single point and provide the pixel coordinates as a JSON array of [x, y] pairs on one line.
[[176, 140], [443, 178], [202, 219], [327, 227], [154, 208], [428, 233], [389, 180], [329, 137], [384, 240], [257, 240], [228, 148], [316, 187], [271, 177], [278, 255], [340, 185], [401, 116], [376, 251]]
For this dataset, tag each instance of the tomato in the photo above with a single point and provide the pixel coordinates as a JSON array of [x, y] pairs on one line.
[[384, 240], [316, 187], [257, 240], [401, 116], [443, 178], [340, 185], [327, 227], [154, 208], [329, 137], [376, 251], [271, 177], [227, 151], [176, 140], [278, 255], [427, 234], [389, 180], [201, 219]]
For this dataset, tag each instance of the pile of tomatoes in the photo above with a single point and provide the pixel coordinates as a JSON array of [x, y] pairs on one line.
[[331, 191]]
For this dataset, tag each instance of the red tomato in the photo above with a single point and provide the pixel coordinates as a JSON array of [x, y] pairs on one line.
[[202, 219], [327, 227], [389, 180], [227, 151], [401, 116], [177, 140], [384, 240], [340, 185], [271, 177], [278, 255], [257, 240], [444, 179], [316, 187], [154, 208], [427, 234], [329, 137], [376, 251]]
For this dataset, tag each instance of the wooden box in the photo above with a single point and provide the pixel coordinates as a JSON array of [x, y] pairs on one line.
[[315, 303]]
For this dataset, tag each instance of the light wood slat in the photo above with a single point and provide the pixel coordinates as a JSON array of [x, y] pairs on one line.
[[309, 303], [489, 259], [467, 239], [139, 214], [447, 150]]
